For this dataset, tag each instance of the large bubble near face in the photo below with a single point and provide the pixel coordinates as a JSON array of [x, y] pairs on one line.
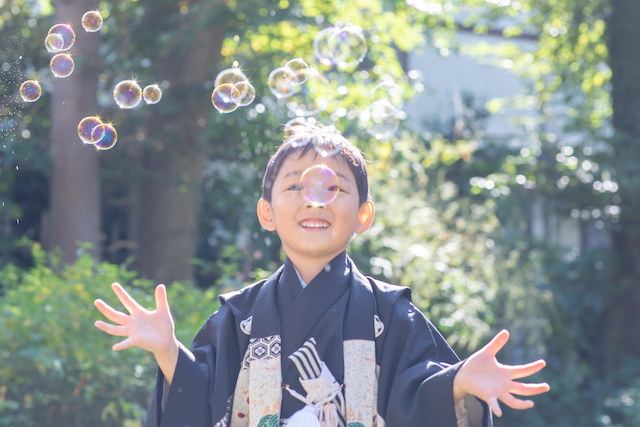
[[320, 185]]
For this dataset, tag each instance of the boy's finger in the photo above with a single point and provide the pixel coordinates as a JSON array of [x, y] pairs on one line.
[[515, 403], [162, 303], [123, 345], [109, 312], [115, 330], [523, 389], [522, 371], [495, 406], [496, 344], [129, 303]]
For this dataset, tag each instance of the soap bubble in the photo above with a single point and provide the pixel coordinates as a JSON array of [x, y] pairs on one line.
[[127, 94], [379, 119], [222, 98], [92, 21], [105, 136], [390, 92], [62, 65], [348, 46], [30, 91], [67, 34], [312, 97], [152, 94], [243, 93], [54, 42], [86, 128], [280, 82], [320, 185], [298, 66], [230, 76], [321, 49]]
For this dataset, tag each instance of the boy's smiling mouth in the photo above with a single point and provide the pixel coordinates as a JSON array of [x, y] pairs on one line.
[[314, 224]]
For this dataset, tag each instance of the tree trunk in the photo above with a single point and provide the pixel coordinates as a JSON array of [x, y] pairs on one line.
[[622, 319], [168, 195], [75, 176]]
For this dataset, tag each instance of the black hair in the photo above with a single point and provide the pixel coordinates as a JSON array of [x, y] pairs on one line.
[[304, 137]]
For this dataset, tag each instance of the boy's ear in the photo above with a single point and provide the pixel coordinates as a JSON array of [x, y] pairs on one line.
[[365, 216], [265, 215]]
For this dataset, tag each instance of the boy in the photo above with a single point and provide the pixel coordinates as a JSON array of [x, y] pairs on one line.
[[317, 343]]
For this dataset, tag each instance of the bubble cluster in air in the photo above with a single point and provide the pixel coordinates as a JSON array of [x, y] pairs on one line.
[[232, 89]]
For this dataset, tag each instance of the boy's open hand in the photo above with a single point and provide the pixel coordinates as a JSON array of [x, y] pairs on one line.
[[150, 330], [484, 377]]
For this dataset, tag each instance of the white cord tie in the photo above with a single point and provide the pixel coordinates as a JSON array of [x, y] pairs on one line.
[[319, 411]]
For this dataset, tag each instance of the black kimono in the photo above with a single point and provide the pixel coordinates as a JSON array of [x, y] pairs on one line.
[[395, 367]]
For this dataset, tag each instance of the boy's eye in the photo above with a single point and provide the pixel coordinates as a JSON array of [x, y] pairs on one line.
[[335, 188], [295, 187]]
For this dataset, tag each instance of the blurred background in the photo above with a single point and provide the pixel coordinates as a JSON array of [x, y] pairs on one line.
[[507, 186]]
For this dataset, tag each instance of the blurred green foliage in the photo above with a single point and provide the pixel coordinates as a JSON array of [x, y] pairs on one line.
[[454, 208], [56, 368]]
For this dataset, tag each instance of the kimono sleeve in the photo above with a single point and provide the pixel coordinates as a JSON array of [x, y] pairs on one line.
[[417, 368], [190, 399]]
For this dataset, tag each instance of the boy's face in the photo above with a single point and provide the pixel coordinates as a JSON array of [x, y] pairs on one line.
[[308, 231]]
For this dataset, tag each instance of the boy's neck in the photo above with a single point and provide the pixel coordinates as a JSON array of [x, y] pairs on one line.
[[308, 268]]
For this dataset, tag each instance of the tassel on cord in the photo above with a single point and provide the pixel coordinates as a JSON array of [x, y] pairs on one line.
[[319, 411]]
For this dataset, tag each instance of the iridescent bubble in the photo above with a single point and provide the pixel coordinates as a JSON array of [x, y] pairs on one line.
[[321, 48], [86, 128], [30, 91], [62, 65], [280, 82], [390, 92], [54, 42], [105, 136], [298, 66], [312, 97], [347, 46], [127, 94], [230, 76], [379, 119], [92, 21], [222, 98], [320, 185], [67, 34], [243, 93], [152, 94]]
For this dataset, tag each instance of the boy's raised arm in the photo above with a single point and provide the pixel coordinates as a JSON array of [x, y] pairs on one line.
[[484, 377], [153, 331]]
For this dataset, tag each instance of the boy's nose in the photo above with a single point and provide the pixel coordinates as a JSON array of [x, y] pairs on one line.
[[316, 205]]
